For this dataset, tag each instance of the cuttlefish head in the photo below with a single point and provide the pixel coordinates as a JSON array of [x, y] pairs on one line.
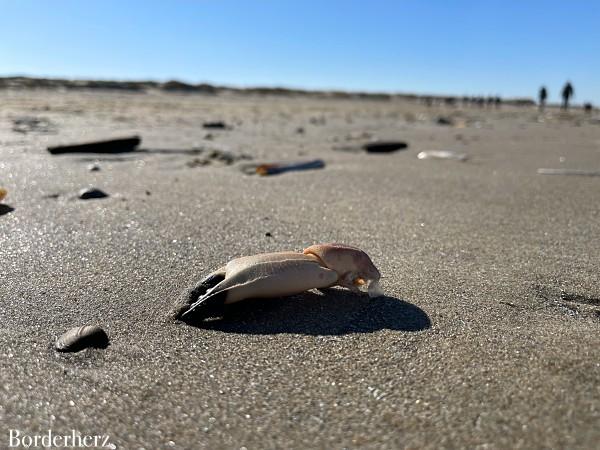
[[355, 269]]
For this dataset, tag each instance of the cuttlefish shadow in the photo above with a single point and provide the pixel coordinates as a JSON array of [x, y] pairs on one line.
[[337, 312]]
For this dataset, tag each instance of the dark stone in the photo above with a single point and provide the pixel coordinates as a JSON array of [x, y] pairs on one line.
[[385, 147], [447, 121], [5, 209], [218, 125], [91, 193], [111, 146], [79, 338]]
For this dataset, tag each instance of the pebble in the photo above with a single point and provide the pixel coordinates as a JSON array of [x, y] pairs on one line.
[[385, 147], [79, 338], [91, 193], [218, 125], [441, 120]]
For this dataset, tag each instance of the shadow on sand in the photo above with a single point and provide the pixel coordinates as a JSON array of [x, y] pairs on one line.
[[337, 312]]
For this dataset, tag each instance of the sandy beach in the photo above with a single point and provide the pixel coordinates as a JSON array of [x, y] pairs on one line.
[[488, 336]]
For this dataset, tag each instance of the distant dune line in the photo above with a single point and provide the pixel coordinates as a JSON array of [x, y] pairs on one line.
[[21, 82]]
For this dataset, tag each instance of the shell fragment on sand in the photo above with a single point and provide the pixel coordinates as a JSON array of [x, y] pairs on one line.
[[277, 168], [385, 147], [442, 154], [580, 172], [79, 338], [281, 274], [3, 193], [91, 193]]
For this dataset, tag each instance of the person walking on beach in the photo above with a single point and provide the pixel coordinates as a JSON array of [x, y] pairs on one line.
[[567, 93], [543, 95]]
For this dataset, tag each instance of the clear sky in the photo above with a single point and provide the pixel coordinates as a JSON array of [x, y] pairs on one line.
[[476, 47]]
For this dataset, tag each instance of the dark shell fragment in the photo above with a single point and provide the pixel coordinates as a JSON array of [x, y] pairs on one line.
[[90, 193], [385, 147], [78, 338]]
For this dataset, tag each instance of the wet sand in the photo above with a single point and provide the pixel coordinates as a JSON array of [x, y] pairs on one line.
[[488, 336]]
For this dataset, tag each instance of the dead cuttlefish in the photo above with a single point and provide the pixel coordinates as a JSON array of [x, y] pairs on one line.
[[280, 274]]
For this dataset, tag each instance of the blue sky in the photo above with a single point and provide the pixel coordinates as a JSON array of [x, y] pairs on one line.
[[481, 47]]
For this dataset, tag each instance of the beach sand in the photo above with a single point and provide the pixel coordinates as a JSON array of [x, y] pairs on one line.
[[488, 336]]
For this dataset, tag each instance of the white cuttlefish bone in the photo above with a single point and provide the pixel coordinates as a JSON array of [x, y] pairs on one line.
[[271, 275]]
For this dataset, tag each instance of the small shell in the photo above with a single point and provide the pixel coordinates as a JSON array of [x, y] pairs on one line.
[[90, 193], [78, 338], [3, 193]]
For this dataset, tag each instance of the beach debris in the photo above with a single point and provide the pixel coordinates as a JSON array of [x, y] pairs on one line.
[[94, 167], [123, 145], [33, 125], [53, 196], [79, 338], [197, 162], [217, 155], [91, 193], [580, 172], [384, 146], [300, 130], [578, 298], [216, 125], [444, 121], [276, 169], [281, 274], [442, 154], [4, 209]]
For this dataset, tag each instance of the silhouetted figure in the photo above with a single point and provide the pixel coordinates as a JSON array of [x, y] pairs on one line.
[[543, 95], [498, 102], [588, 108], [567, 93]]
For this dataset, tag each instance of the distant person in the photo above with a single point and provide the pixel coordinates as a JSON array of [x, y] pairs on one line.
[[543, 95], [567, 93]]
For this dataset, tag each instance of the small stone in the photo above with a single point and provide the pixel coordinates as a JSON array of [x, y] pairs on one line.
[[91, 193], [218, 125], [268, 234], [79, 338], [385, 147], [441, 120], [94, 167]]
